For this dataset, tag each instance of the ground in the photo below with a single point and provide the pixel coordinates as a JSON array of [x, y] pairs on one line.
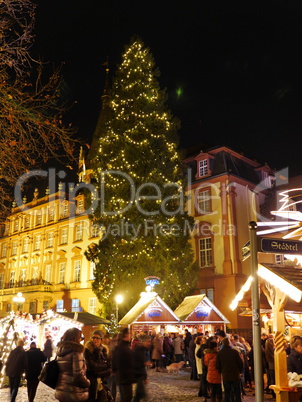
[[162, 387]]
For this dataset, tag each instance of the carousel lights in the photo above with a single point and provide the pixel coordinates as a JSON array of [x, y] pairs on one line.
[[246, 286], [280, 283]]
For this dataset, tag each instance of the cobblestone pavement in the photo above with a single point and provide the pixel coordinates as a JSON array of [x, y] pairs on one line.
[[162, 387]]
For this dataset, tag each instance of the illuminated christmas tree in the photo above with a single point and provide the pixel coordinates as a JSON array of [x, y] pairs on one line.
[[141, 183]]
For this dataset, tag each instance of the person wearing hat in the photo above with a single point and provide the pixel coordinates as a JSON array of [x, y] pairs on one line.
[[98, 365]]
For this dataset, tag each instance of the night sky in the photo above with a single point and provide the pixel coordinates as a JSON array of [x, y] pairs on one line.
[[232, 69]]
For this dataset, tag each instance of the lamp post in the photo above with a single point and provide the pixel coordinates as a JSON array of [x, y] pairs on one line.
[[19, 299], [118, 300]]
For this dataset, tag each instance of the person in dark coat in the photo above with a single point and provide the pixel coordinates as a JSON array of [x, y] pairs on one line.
[[15, 366], [192, 346], [168, 350], [34, 358], [140, 363], [123, 366], [48, 348], [187, 340], [72, 383], [98, 363], [230, 366], [294, 359]]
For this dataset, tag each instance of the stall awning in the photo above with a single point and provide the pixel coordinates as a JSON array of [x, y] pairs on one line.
[[286, 278], [150, 309], [198, 309], [86, 318]]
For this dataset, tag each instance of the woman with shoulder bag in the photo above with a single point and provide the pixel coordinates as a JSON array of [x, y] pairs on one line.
[[72, 383]]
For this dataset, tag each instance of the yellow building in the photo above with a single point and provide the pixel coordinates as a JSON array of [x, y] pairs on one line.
[[42, 247]]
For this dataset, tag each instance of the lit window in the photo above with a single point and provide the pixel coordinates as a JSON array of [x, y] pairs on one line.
[[95, 230], [64, 233], [79, 231], [4, 250], [49, 239], [51, 214], [205, 252], [204, 201], [92, 305], [27, 222], [1, 280], [45, 305], [210, 295], [203, 167], [23, 277], [64, 210], [14, 248], [35, 276], [92, 268], [25, 245], [80, 206], [75, 305], [48, 273], [12, 279], [37, 243], [38, 218], [60, 306], [16, 225], [77, 271], [62, 272]]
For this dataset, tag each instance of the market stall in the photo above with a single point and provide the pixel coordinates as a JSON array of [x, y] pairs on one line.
[[151, 313], [199, 314], [282, 287], [15, 326]]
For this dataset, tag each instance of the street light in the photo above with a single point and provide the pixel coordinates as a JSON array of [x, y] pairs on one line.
[[19, 299], [118, 300]]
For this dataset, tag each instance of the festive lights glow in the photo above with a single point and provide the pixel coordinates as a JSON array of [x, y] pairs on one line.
[[286, 211], [246, 286], [280, 283]]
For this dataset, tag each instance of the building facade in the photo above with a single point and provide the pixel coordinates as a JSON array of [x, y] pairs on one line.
[[42, 247], [226, 191]]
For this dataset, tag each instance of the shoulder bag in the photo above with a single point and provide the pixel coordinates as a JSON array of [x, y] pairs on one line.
[[50, 373]]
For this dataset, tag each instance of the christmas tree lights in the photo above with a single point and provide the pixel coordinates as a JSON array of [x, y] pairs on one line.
[[144, 235]]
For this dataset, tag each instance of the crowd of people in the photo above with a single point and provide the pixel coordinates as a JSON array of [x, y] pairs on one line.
[[92, 371]]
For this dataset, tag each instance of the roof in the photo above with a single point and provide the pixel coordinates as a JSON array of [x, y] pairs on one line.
[[292, 275], [226, 161], [150, 309], [86, 318], [197, 309]]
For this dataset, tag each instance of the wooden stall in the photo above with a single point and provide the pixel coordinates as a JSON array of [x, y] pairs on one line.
[[199, 314], [151, 313]]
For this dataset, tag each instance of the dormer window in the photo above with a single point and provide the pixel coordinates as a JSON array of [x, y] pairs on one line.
[[203, 167], [80, 205]]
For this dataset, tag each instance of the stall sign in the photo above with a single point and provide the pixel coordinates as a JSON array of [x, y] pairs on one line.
[[202, 311]]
